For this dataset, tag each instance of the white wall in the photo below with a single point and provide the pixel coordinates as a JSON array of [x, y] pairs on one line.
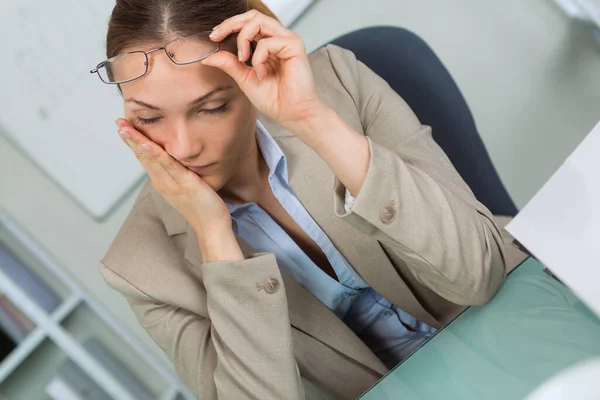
[[531, 79]]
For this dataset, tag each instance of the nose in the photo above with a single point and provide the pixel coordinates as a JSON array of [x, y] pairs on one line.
[[184, 145]]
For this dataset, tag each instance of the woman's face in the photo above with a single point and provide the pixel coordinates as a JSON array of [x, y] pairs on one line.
[[196, 113]]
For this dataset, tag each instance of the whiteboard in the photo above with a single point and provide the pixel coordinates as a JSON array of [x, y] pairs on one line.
[[53, 109]]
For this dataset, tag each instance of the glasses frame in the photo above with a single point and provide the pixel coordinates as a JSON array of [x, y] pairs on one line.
[[146, 63]]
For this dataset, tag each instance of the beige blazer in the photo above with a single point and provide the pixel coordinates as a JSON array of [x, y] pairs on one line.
[[241, 330]]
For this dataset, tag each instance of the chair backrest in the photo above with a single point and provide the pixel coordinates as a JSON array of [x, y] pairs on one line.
[[414, 71]]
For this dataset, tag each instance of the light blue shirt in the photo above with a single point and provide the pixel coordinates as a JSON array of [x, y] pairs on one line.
[[378, 323]]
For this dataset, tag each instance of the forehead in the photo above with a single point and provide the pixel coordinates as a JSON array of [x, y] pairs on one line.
[[167, 82]]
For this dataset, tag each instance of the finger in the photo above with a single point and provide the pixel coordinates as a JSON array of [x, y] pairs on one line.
[[232, 66], [268, 26], [161, 167], [261, 56], [256, 29], [144, 149], [281, 48], [131, 136], [250, 32]]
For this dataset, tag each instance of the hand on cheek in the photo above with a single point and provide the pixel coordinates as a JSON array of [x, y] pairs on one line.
[[202, 207]]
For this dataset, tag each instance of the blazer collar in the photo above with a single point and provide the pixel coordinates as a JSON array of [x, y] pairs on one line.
[[174, 222], [274, 129]]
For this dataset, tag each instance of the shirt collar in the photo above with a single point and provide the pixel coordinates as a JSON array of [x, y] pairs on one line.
[[271, 152], [273, 155]]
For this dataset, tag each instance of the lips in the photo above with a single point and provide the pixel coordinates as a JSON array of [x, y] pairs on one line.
[[201, 169]]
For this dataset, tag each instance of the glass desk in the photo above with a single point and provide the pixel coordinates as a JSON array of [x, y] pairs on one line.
[[533, 328]]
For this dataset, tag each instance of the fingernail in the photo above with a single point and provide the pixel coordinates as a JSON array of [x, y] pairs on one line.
[[146, 147], [214, 33], [240, 55], [124, 134]]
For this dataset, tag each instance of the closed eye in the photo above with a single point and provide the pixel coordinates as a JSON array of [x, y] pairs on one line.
[[206, 111], [147, 121], [210, 111]]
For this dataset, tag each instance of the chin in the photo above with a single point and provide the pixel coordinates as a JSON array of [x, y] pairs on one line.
[[216, 182]]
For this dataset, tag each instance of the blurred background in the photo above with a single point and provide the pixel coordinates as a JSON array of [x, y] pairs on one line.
[[528, 70]]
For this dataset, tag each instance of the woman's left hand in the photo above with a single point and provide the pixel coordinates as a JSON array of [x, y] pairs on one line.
[[280, 83]]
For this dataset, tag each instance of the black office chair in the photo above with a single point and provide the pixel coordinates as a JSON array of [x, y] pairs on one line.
[[413, 70]]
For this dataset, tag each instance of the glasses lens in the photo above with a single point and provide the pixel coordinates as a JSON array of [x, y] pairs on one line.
[[123, 68], [191, 49]]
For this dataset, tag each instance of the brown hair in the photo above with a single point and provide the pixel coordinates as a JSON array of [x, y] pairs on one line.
[[136, 22]]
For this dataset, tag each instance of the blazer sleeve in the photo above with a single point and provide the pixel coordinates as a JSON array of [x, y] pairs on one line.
[[412, 200], [236, 346]]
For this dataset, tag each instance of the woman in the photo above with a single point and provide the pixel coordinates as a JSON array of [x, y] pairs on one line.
[[233, 258]]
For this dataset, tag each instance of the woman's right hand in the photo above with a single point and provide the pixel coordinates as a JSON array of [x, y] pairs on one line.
[[185, 191]]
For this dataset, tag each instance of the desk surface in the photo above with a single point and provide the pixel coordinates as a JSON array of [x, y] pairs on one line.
[[533, 328]]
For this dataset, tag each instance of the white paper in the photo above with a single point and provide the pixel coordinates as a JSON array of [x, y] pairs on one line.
[[561, 225], [53, 109]]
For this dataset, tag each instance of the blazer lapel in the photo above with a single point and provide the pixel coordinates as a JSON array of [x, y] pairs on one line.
[[313, 182]]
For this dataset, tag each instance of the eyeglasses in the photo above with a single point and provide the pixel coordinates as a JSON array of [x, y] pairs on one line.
[[131, 66]]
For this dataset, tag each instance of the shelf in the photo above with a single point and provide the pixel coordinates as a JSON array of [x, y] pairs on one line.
[[66, 308], [24, 264], [29, 379], [84, 325], [13, 323], [20, 353], [73, 339]]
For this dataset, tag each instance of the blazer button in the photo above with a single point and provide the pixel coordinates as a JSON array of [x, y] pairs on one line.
[[271, 286], [388, 213]]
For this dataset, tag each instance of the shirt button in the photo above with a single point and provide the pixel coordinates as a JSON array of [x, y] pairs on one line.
[[388, 213], [388, 314], [271, 286]]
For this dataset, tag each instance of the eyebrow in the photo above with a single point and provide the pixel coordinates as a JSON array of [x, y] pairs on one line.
[[192, 104]]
